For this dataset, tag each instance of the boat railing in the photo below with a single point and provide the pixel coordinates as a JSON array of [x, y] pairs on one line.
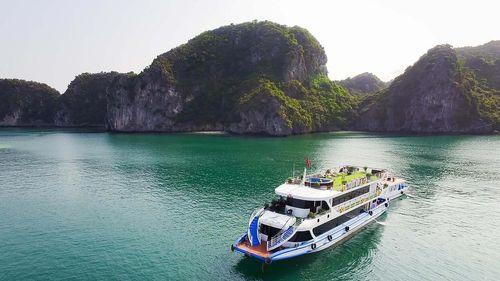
[[283, 234], [369, 172], [357, 182], [256, 212]]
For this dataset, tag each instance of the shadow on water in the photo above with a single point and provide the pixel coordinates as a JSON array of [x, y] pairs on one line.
[[344, 262]]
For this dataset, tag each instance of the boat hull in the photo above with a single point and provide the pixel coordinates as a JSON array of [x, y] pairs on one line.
[[326, 240]]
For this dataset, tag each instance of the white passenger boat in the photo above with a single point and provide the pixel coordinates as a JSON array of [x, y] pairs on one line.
[[318, 211]]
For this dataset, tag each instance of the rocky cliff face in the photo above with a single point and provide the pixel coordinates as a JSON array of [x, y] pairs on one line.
[[435, 95], [26, 103], [84, 102], [257, 77], [362, 84], [271, 79]]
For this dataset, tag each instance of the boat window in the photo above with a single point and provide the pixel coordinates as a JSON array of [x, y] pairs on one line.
[[297, 203], [324, 206], [268, 230], [277, 205], [318, 230], [350, 195], [329, 225], [301, 236]]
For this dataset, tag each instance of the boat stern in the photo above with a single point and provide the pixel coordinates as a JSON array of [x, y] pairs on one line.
[[259, 251]]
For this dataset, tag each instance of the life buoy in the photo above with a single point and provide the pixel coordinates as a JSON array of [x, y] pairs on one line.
[[330, 238], [268, 260], [370, 213], [313, 246], [346, 229]]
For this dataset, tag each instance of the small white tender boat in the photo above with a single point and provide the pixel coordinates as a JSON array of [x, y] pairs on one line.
[[317, 211]]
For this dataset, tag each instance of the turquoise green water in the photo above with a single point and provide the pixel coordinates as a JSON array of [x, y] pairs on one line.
[[93, 206]]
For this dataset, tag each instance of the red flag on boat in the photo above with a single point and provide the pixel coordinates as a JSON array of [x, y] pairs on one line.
[[308, 163]]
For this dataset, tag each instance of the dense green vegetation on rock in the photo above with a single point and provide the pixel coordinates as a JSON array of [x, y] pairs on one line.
[[246, 59], [489, 51], [481, 66], [320, 105], [84, 102], [484, 98], [231, 76], [439, 93], [363, 84], [26, 103], [271, 79]]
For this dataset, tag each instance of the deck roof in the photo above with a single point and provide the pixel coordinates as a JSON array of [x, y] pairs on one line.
[[305, 192]]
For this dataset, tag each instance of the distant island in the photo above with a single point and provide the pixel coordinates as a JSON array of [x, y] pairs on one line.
[[362, 84], [268, 79]]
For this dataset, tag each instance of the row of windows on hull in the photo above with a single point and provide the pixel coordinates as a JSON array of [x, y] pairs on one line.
[[350, 195], [301, 236], [331, 224]]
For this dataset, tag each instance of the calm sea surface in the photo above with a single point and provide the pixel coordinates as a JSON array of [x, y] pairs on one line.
[[80, 205]]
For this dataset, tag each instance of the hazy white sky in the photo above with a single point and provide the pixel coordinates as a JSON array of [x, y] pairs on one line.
[[51, 41]]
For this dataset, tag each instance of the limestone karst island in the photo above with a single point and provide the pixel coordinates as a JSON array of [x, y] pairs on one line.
[[250, 140], [265, 78]]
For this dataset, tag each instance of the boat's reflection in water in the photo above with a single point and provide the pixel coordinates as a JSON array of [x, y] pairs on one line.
[[344, 262]]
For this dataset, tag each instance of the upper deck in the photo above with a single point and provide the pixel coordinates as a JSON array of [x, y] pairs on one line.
[[303, 192], [340, 180]]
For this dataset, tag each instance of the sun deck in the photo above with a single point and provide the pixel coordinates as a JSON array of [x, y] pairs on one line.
[[338, 179], [343, 180]]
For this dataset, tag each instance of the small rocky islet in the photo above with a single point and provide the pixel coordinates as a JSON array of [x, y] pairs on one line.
[[268, 79]]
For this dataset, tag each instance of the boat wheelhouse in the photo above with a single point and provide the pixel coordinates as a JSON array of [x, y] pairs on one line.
[[317, 211]]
